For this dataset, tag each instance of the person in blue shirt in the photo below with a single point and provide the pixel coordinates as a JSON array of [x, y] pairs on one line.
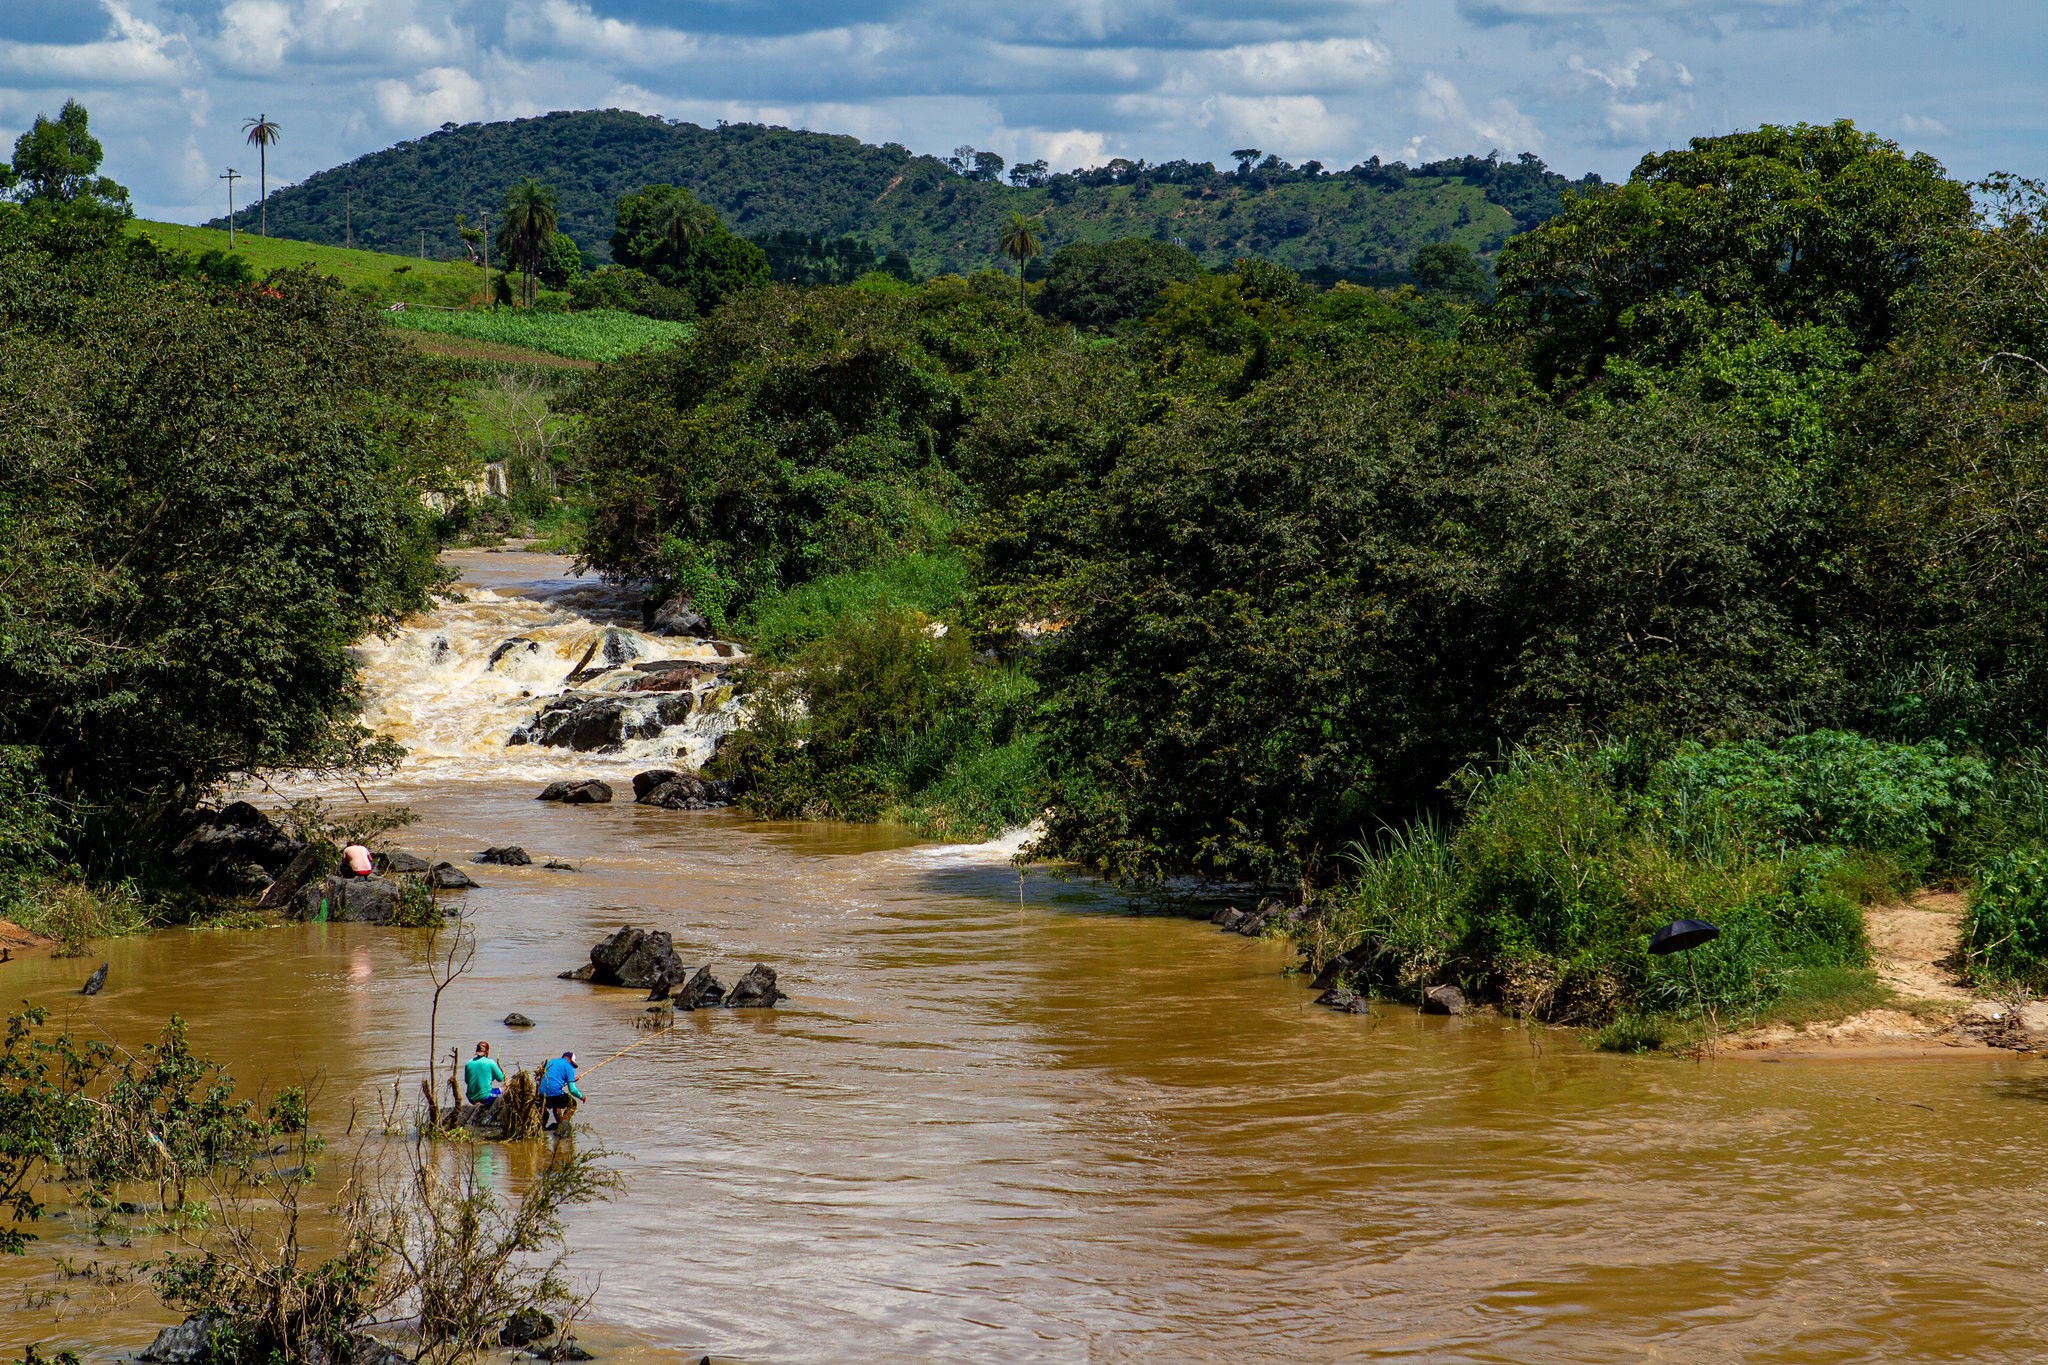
[[558, 1092]]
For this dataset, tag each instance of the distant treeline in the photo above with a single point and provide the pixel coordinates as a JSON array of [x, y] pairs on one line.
[[936, 214]]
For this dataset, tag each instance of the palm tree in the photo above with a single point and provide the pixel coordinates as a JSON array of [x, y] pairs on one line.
[[683, 227], [1020, 243], [262, 135], [528, 228]]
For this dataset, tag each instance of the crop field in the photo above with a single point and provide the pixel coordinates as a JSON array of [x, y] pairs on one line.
[[600, 334]]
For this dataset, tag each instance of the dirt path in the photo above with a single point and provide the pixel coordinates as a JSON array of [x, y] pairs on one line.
[[1915, 946]]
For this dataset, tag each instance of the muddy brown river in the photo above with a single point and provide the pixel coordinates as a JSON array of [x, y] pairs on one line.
[[1011, 1120]]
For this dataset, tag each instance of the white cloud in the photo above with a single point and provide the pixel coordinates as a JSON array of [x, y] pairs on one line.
[[136, 53], [1642, 98], [255, 33], [438, 95], [1454, 125], [1286, 68], [1062, 150], [1920, 125]]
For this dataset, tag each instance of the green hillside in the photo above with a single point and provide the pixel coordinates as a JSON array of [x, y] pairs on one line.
[[762, 180], [391, 278]]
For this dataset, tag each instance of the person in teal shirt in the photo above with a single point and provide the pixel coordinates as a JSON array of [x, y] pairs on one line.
[[483, 1080], [558, 1092]]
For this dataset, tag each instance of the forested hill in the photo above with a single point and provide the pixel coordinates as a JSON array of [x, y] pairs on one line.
[[764, 180]]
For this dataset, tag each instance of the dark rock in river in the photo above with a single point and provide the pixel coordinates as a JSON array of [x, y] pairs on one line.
[[701, 991], [360, 900], [1343, 1001], [1443, 1000], [511, 855], [603, 724], [587, 791], [517, 1020], [1345, 966], [1228, 918], [675, 617], [300, 870], [518, 645], [557, 865], [95, 983], [184, 1344], [525, 1327], [397, 863], [755, 990], [236, 849], [634, 957], [672, 790], [653, 778], [449, 877]]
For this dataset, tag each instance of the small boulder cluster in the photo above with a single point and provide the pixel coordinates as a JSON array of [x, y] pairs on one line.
[[1353, 965], [1251, 923], [646, 959]]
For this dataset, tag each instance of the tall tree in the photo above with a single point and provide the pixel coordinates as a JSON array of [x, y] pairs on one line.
[[1020, 243], [57, 161], [1728, 237], [528, 229], [262, 134]]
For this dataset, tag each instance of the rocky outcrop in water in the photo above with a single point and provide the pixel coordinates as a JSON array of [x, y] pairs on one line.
[[755, 990], [1443, 1000], [398, 863], [237, 850], [508, 855], [676, 617], [603, 724], [674, 790], [449, 877], [700, 992], [95, 983], [587, 791], [356, 900], [639, 958]]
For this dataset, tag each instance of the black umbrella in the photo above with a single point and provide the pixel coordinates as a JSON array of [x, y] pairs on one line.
[[1681, 934]]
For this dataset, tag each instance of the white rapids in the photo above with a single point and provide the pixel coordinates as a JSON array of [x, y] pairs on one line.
[[454, 684]]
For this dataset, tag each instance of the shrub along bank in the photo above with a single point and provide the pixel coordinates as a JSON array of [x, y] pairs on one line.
[[1562, 862]]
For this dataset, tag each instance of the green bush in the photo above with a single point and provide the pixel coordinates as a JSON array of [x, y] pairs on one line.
[[2005, 932], [1906, 801], [887, 716]]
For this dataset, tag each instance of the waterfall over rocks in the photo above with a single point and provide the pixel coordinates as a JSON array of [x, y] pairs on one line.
[[549, 679]]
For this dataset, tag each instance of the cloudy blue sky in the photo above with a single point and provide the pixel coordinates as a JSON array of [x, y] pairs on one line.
[[1587, 84]]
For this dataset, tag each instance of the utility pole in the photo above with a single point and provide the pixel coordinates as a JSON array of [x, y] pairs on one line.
[[348, 229], [231, 177], [423, 244], [483, 220]]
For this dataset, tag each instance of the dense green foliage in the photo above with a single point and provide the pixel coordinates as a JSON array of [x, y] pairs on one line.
[[57, 162], [665, 233], [763, 181], [596, 334], [211, 491], [1098, 286], [2005, 933], [795, 435], [1822, 227]]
